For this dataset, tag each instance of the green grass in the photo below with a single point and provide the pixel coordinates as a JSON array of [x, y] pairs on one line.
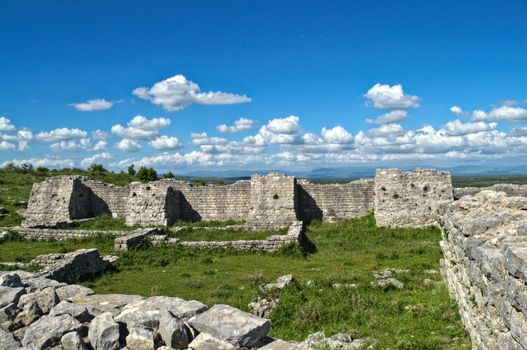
[[484, 181], [416, 317], [190, 234], [102, 222], [209, 223], [21, 250]]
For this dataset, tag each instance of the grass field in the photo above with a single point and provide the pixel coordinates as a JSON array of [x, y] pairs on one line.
[[200, 234], [419, 316]]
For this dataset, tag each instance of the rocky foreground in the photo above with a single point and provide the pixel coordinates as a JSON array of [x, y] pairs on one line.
[[42, 313]]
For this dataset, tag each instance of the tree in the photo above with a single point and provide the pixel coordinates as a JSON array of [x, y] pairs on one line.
[[168, 175], [145, 174], [152, 174], [97, 168], [131, 170]]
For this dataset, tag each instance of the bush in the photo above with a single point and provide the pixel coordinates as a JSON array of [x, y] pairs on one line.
[[145, 174], [168, 175]]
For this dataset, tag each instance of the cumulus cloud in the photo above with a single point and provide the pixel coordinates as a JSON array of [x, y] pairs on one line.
[[141, 128], [518, 132], [391, 97], [96, 158], [240, 125], [336, 135], [97, 104], [99, 134], [61, 134], [127, 145], [7, 146], [282, 131], [177, 93], [70, 145], [390, 117], [6, 124], [100, 145], [166, 142], [506, 113], [456, 127]]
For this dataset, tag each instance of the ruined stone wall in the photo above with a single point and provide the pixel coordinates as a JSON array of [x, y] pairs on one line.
[[56, 200], [510, 189], [334, 201], [273, 199], [485, 266], [107, 198], [411, 199], [212, 202], [152, 204]]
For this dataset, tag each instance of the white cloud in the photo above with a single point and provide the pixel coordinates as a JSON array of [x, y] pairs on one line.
[[456, 127], [141, 128], [518, 132], [501, 113], [99, 135], [100, 145], [456, 110], [282, 131], [241, 124], [6, 146], [70, 145], [177, 92], [128, 145], [24, 137], [387, 130], [166, 142], [61, 134], [6, 124], [388, 118], [204, 139], [97, 104], [44, 162], [336, 135], [391, 97], [96, 158]]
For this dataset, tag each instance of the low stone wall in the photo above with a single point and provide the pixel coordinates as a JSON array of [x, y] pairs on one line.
[[334, 201], [272, 243], [60, 234], [485, 266], [135, 239], [510, 189]]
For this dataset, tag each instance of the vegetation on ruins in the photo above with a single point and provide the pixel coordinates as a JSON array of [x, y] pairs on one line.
[[202, 234]]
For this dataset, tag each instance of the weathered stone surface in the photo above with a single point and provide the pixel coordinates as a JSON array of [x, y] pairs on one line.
[[279, 344], [29, 314], [38, 283], [46, 299], [47, 331], [10, 295], [173, 331], [72, 341], [73, 291], [104, 332], [71, 266], [78, 312], [11, 280], [414, 199], [106, 302], [8, 312], [206, 341], [140, 339], [231, 325], [146, 313], [7, 341]]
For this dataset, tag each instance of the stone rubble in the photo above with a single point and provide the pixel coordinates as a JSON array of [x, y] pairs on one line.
[[264, 305]]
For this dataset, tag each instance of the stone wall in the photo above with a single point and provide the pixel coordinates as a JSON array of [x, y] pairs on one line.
[[273, 199], [334, 201], [485, 266], [411, 199], [510, 189], [152, 205], [59, 234], [107, 198], [212, 202]]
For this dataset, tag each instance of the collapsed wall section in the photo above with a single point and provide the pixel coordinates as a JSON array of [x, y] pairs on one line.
[[59, 199], [334, 201], [273, 200], [411, 199], [510, 189], [212, 202], [485, 266]]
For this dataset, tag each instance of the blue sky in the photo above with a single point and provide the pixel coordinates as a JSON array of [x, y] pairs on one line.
[[297, 84]]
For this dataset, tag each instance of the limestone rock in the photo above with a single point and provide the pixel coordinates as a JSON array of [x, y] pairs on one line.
[[7, 341], [11, 280], [140, 339], [106, 302], [280, 283], [73, 291], [231, 325], [39, 283], [78, 312], [10, 295], [206, 341], [279, 344], [29, 314], [48, 330], [8, 312], [173, 331], [104, 332], [72, 341], [46, 299]]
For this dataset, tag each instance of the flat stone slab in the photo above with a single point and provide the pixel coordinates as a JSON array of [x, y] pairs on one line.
[[231, 325], [47, 331], [107, 302], [10, 295]]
